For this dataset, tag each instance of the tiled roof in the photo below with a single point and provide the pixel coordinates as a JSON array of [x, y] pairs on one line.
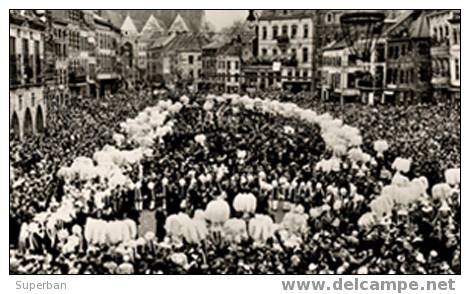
[[187, 42], [339, 44], [217, 43], [161, 41], [284, 14], [397, 22], [420, 27], [415, 23], [230, 49]]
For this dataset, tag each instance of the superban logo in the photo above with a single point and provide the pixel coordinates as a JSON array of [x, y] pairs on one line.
[[31, 286]]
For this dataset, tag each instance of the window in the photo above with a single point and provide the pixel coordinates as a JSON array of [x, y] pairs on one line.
[[380, 53], [436, 67], [190, 59], [351, 82], [305, 55], [275, 32], [441, 34], [305, 31], [237, 65], [265, 33], [37, 60], [402, 77], [445, 68], [293, 31], [389, 76], [455, 36], [274, 52], [284, 30], [390, 52], [446, 30], [411, 77], [294, 53], [457, 69], [12, 46], [33, 99], [264, 51], [228, 64], [329, 18], [404, 49]]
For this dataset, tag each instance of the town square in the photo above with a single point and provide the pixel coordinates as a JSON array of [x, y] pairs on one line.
[[234, 142]]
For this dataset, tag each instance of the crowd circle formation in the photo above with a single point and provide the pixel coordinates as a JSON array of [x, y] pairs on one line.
[[237, 185]]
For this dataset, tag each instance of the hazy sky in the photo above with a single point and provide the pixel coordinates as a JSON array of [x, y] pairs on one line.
[[224, 18]]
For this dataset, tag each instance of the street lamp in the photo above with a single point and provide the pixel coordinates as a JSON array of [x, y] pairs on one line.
[[251, 19]]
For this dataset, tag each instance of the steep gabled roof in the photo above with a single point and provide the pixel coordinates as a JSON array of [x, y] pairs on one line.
[[397, 22], [413, 24], [152, 25], [178, 25], [129, 26], [420, 27]]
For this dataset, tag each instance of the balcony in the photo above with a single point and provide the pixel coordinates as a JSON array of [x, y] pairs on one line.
[[440, 43], [268, 61]]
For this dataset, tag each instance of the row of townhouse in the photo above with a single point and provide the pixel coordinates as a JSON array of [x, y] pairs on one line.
[[57, 55], [416, 59]]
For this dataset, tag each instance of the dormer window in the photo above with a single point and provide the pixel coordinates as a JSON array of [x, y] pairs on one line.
[[329, 18]]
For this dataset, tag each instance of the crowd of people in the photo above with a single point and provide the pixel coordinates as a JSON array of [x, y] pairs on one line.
[[76, 129], [245, 150]]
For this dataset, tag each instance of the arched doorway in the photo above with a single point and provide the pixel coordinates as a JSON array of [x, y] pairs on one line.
[[28, 123], [15, 124], [39, 120]]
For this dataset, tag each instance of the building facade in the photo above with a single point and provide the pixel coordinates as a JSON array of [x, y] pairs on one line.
[[211, 72], [109, 67], [129, 49], [285, 56], [455, 68], [409, 60], [338, 74], [56, 73], [444, 37], [27, 104], [328, 31]]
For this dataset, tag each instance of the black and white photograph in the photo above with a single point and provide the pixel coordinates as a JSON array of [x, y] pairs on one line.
[[234, 142]]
